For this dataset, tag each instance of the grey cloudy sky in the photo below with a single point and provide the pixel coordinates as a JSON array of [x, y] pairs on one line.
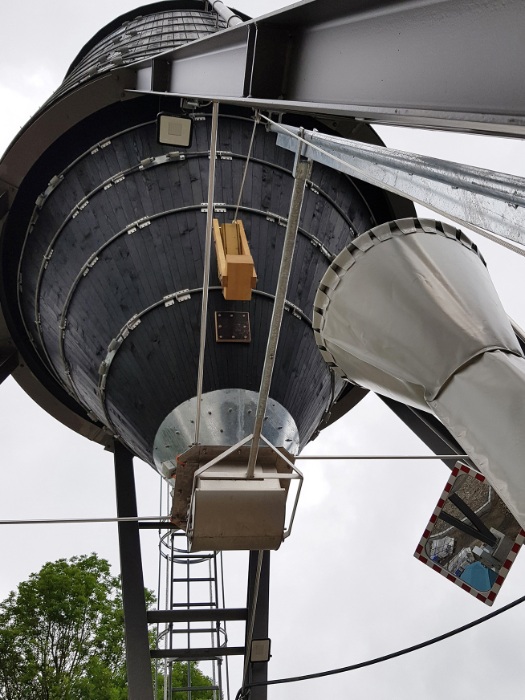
[[345, 586]]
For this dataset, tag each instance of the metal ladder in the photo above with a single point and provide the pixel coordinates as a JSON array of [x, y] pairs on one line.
[[192, 627]]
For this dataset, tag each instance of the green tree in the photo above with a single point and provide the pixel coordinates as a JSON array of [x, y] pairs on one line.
[[62, 636], [179, 679]]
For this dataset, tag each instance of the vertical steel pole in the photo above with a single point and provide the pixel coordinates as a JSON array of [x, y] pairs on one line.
[[138, 660], [258, 672], [302, 172], [207, 258]]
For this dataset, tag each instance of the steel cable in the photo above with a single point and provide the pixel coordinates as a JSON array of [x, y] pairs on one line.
[[244, 692]]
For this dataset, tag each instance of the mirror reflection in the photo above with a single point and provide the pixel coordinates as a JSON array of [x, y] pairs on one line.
[[472, 537]]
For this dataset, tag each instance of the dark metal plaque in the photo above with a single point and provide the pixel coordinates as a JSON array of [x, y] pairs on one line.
[[232, 327]]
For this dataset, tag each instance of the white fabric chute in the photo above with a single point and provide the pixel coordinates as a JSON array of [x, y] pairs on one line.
[[483, 406], [409, 311]]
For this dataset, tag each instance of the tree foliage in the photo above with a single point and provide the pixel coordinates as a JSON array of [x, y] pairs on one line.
[[179, 679], [62, 636]]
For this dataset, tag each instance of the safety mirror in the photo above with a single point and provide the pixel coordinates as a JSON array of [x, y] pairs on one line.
[[472, 538]]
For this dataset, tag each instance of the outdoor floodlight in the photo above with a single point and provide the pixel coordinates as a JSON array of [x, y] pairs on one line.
[[174, 131]]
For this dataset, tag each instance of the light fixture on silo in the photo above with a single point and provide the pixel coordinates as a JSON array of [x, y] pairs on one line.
[[173, 130]]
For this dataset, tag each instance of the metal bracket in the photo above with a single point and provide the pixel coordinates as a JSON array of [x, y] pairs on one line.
[[295, 474]]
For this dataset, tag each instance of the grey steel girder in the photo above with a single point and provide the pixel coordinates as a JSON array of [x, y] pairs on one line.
[[8, 362], [482, 200], [138, 662], [445, 64]]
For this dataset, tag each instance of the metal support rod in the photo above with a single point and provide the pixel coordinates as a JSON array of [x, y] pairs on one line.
[[303, 170], [138, 661], [474, 197], [153, 520], [256, 121], [207, 257], [379, 457]]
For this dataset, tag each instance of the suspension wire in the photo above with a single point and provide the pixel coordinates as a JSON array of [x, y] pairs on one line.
[[380, 659], [379, 457], [256, 121], [482, 232], [74, 521], [207, 258], [249, 636]]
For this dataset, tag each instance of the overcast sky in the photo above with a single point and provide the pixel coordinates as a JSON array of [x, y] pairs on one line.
[[345, 586]]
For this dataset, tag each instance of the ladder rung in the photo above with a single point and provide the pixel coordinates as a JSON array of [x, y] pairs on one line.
[[193, 605], [191, 580], [203, 654], [197, 688], [209, 615], [198, 630], [157, 525]]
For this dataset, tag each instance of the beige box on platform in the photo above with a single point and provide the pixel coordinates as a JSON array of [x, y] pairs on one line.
[[230, 513]]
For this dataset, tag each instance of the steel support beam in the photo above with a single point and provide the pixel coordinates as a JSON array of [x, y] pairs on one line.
[[429, 430], [479, 528], [8, 363], [258, 672], [445, 64], [467, 529], [138, 660], [482, 200]]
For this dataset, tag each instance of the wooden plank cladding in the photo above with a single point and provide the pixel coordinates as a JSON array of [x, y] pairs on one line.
[[114, 265]]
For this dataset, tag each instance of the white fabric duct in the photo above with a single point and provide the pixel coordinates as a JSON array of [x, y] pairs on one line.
[[483, 407], [409, 311]]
